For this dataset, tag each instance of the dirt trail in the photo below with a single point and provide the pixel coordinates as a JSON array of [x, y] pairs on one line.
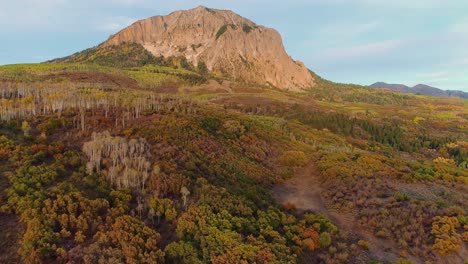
[[304, 189]]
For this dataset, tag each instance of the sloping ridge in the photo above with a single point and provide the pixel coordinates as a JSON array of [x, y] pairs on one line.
[[227, 43], [420, 89]]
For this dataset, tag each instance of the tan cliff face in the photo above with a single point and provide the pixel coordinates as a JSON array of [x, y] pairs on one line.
[[227, 43]]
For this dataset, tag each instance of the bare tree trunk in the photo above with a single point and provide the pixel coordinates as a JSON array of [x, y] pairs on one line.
[[82, 114]]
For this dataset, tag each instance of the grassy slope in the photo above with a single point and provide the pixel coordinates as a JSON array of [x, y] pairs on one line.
[[278, 122]]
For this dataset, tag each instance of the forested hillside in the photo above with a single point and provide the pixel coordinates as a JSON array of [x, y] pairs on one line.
[[157, 161]]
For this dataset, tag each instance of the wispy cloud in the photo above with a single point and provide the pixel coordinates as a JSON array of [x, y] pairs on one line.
[[410, 4], [458, 62], [401, 4], [435, 74], [460, 27], [364, 50], [346, 28], [29, 14], [113, 24]]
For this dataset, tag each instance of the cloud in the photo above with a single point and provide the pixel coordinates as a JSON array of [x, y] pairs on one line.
[[432, 78], [409, 4], [364, 50], [447, 79], [435, 74], [113, 24], [458, 62], [460, 27], [398, 4], [129, 2], [346, 28]]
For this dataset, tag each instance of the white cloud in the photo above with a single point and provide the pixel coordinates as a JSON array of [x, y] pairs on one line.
[[460, 27], [458, 62], [113, 24], [347, 28], [401, 4], [364, 50], [29, 14], [433, 75], [410, 4]]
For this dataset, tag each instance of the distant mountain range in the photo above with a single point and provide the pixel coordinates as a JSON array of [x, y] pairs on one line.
[[420, 89]]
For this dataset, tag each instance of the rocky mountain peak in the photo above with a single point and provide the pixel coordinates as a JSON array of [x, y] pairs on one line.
[[227, 43]]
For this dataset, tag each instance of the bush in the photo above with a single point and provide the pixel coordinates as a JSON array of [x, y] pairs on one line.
[[221, 31], [293, 158], [246, 28], [447, 240], [211, 124], [202, 69], [363, 243], [400, 196], [324, 240]]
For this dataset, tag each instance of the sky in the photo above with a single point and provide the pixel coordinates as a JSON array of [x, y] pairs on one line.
[[348, 41]]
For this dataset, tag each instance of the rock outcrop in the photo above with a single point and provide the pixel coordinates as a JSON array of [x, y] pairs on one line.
[[227, 43]]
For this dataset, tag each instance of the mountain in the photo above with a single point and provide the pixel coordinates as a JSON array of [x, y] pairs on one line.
[[118, 154], [420, 89], [394, 87], [227, 43]]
